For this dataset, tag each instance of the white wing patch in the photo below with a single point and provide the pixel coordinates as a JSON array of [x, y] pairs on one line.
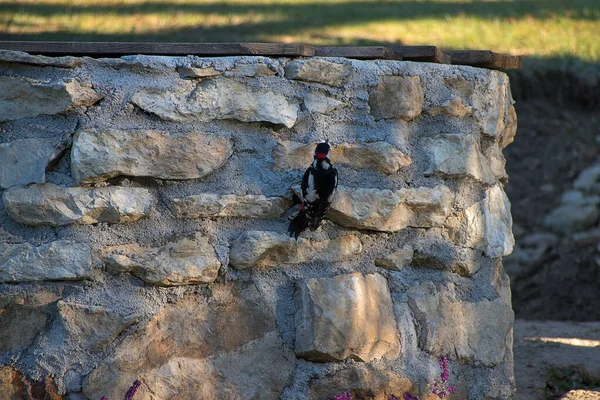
[[311, 191], [330, 198]]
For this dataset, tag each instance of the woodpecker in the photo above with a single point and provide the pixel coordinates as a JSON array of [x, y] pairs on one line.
[[318, 187]]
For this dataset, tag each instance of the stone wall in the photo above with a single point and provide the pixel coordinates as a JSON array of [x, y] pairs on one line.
[[142, 227]]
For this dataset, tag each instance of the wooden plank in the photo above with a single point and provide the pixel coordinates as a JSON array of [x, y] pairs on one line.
[[485, 59], [118, 49], [359, 52], [423, 53]]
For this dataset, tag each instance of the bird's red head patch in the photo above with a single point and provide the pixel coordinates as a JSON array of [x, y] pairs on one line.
[[320, 156]]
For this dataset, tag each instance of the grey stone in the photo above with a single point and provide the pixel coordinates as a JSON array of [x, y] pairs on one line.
[[250, 70], [379, 156], [185, 262], [453, 107], [191, 349], [23, 98], [209, 205], [19, 57], [397, 97], [577, 212], [390, 211], [24, 161], [320, 103], [194, 72], [438, 254], [318, 70], [220, 98], [396, 260], [52, 205], [335, 319], [98, 155], [475, 332], [92, 328], [58, 260], [458, 156], [486, 225], [264, 248]]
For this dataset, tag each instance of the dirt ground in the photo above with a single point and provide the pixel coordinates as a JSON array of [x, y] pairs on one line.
[[554, 143]]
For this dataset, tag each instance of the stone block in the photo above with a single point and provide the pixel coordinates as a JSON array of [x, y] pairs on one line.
[[185, 262], [268, 249], [226, 345], [98, 154], [208, 205], [53, 205], [55, 261], [318, 70], [24, 98], [390, 211], [396, 260], [475, 332], [24, 161], [347, 316], [397, 97], [220, 98], [379, 156]]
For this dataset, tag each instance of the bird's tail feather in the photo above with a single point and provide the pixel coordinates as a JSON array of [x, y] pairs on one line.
[[298, 224]]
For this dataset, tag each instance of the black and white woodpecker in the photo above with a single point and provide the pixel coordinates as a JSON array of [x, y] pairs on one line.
[[318, 186]]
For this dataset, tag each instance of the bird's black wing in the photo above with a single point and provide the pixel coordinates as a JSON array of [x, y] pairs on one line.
[[304, 184]]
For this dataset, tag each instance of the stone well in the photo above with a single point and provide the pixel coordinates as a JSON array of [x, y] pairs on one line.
[[145, 201]]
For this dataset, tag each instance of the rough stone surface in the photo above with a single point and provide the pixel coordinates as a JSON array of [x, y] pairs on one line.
[[15, 386], [379, 156], [219, 99], [191, 350], [458, 156], [58, 260], [193, 72], [53, 205], [92, 328], [320, 103], [472, 331], [25, 161], [582, 395], [397, 97], [268, 249], [250, 70], [439, 254], [19, 57], [209, 205], [390, 211], [454, 107], [23, 98], [362, 383], [588, 180], [335, 319], [486, 225], [98, 155], [185, 262], [396, 260], [316, 70]]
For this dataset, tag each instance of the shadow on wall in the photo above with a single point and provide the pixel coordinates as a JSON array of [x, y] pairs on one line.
[[253, 21]]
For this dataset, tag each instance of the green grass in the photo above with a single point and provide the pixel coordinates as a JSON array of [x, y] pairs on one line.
[[538, 28]]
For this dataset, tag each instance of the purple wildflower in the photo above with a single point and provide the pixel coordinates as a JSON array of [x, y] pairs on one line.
[[408, 396], [345, 396], [131, 392], [104, 398]]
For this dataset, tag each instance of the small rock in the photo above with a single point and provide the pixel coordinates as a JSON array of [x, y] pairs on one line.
[[582, 395], [397, 97], [23, 98], [396, 260], [209, 205], [98, 155], [25, 161], [318, 70], [15, 385], [443, 256], [52, 205], [335, 319], [263, 248], [10, 56], [193, 72], [380, 156], [572, 218], [589, 180], [186, 262], [454, 107], [58, 260], [250, 70]]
